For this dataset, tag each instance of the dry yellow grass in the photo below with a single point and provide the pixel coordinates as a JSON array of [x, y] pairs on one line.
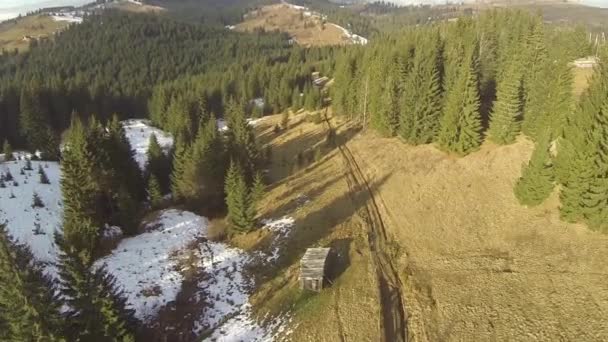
[[479, 266], [12, 33], [476, 265], [317, 197], [305, 30]]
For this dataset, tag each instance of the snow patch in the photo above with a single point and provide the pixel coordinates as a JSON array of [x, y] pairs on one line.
[[222, 125], [34, 227], [67, 17], [281, 228], [138, 132], [145, 266], [229, 314]]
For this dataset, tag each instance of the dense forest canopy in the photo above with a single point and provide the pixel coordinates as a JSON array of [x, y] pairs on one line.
[[111, 63]]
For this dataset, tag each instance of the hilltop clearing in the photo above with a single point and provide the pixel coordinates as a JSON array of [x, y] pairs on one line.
[[305, 27], [17, 34]]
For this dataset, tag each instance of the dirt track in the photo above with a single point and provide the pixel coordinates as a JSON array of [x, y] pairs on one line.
[[394, 322]]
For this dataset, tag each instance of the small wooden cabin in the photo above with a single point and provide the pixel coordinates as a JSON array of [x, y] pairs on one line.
[[312, 269]]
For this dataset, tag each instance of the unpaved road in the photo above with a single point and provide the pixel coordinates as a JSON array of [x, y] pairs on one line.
[[394, 320]]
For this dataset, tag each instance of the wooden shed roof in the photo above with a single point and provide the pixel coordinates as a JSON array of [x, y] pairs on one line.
[[313, 263]]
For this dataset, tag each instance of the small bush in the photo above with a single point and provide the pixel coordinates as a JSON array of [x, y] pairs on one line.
[[8, 176], [37, 201], [218, 230]]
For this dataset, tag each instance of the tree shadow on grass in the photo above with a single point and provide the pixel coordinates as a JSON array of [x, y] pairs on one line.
[[314, 227], [338, 259]]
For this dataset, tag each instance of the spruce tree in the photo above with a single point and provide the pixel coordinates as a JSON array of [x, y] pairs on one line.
[[421, 106], [44, 179], [460, 130], [505, 119], [257, 189], [537, 179], [155, 195], [7, 150], [29, 306], [238, 200], [80, 191], [96, 310], [242, 146], [158, 163], [181, 155]]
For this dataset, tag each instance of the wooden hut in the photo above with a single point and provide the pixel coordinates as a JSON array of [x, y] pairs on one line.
[[312, 269]]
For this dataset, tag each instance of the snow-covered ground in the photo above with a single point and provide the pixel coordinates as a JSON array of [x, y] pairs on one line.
[[32, 226], [222, 125], [138, 132], [145, 265], [68, 17], [281, 228], [229, 314]]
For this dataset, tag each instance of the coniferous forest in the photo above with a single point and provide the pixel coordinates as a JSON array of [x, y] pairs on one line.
[[495, 78]]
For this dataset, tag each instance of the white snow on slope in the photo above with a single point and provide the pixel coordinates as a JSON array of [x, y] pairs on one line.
[[281, 229], [222, 125], [68, 18], [21, 219], [145, 266], [138, 132], [229, 314], [226, 289]]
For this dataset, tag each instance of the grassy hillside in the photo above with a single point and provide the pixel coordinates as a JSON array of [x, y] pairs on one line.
[[12, 32], [305, 28], [473, 263]]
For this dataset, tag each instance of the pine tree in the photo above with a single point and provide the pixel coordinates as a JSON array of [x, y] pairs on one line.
[[158, 164], [421, 107], [257, 189], [238, 200], [29, 306], [44, 179], [505, 119], [125, 171], [28, 165], [7, 150], [37, 201], [536, 181], [181, 155], [242, 146], [96, 310], [460, 130], [155, 195], [80, 191]]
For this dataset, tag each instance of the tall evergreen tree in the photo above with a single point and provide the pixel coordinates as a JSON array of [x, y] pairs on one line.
[[30, 310], [80, 191], [537, 179], [242, 146], [7, 150], [155, 195], [421, 107], [97, 311], [181, 156], [158, 163], [238, 200], [460, 130], [505, 119]]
